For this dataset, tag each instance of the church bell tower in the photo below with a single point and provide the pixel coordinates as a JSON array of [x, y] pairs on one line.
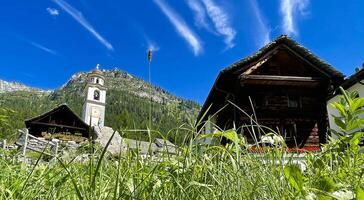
[[94, 107]]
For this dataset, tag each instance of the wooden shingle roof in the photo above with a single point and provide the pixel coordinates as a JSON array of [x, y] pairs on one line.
[[66, 114], [293, 45]]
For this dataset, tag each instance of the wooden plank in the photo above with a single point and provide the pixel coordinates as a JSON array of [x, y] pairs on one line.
[[281, 78], [256, 66], [33, 137], [57, 125], [42, 141], [38, 151], [307, 61], [55, 150], [4, 144], [25, 142], [26, 146]]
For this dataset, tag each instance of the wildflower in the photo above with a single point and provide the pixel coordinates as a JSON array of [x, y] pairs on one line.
[[157, 184], [344, 194], [267, 139], [272, 139], [311, 196], [278, 140]]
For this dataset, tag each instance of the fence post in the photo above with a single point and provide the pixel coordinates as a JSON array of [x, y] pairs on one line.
[[4, 144], [25, 141], [55, 150]]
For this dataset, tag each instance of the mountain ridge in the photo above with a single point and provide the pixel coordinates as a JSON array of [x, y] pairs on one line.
[[11, 86], [140, 85], [127, 103]]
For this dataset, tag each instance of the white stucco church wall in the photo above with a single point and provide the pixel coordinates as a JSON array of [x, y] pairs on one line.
[[94, 107], [358, 86]]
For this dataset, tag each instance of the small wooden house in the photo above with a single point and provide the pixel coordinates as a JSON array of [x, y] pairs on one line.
[[58, 120], [283, 86]]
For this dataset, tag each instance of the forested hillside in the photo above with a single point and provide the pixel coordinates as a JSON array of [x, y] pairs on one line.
[[127, 104]]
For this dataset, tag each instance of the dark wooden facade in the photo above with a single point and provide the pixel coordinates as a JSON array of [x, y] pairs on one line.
[[288, 87], [59, 120]]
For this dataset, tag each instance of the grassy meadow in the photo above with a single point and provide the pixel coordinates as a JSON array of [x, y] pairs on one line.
[[199, 171]]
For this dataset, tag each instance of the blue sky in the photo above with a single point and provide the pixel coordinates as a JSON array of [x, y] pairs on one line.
[[44, 42]]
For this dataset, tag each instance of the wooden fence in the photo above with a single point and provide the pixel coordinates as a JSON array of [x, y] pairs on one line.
[[3, 144], [30, 142]]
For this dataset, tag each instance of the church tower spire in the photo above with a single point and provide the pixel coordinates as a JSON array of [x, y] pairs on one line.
[[94, 106]]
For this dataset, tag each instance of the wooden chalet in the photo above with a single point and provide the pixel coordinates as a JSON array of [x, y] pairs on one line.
[[59, 120], [288, 87]]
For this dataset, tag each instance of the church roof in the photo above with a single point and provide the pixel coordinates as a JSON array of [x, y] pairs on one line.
[[96, 71]]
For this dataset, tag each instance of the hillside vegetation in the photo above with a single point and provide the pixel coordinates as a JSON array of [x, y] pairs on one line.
[[127, 104]]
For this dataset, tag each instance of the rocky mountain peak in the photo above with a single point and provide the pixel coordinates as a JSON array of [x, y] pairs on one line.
[[120, 80], [13, 86]]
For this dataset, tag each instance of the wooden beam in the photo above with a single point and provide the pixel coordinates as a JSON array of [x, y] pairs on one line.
[[57, 125], [307, 61], [256, 66], [281, 78], [267, 56]]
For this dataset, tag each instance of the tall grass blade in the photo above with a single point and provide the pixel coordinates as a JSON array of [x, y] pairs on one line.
[[93, 185]]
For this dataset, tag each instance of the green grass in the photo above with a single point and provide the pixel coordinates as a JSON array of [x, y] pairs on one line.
[[198, 171]]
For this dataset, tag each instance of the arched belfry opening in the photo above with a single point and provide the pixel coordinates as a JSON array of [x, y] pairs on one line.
[[97, 95]]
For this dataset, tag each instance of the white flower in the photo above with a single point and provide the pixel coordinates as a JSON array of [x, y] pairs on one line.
[[278, 140], [267, 139], [157, 184], [311, 196], [272, 139], [344, 194]]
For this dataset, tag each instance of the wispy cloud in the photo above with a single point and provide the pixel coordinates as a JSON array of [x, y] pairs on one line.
[[200, 15], [180, 25], [148, 44], [77, 15], [291, 9], [52, 11], [153, 46], [41, 47], [221, 21], [262, 28]]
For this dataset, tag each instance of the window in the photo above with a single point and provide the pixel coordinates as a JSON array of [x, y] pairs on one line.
[[97, 95], [293, 101], [97, 81]]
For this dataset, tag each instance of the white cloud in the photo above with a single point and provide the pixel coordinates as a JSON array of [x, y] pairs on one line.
[[180, 25], [77, 15], [291, 9], [153, 46], [53, 11], [221, 21], [200, 15], [41, 47], [262, 28], [149, 44]]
